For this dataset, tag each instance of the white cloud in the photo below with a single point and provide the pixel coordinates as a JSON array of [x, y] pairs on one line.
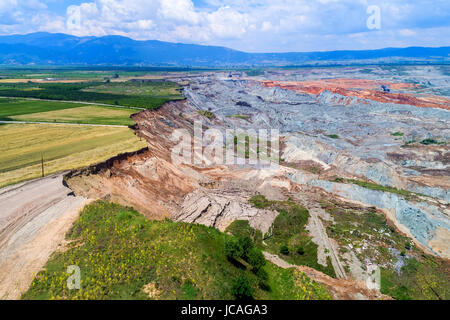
[[251, 25]]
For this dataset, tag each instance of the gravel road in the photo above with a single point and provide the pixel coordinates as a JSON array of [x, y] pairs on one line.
[[34, 219]]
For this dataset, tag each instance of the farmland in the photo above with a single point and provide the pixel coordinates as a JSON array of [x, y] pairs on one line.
[[139, 95], [63, 147]]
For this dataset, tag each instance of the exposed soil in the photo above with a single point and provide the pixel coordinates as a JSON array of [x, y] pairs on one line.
[[34, 219], [363, 89]]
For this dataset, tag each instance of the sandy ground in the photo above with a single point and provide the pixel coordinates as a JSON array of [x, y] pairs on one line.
[[340, 289], [34, 219]]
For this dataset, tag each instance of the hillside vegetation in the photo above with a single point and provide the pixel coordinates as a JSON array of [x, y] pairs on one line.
[[63, 147], [122, 255]]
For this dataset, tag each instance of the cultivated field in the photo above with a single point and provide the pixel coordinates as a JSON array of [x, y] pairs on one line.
[[15, 107], [84, 114], [63, 147], [149, 95]]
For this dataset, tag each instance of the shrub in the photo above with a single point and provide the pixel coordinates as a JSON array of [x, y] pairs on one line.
[[246, 244], [284, 250], [428, 142], [241, 289], [260, 202], [300, 250]]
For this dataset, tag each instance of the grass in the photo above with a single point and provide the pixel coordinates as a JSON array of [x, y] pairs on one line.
[[16, 107], [240, 116], [288, 230], [397, 134], [156, 89], [120, 253], [333, 136], [374, 238], [424, 279], [241, 228], [83, 115], [63, 147]]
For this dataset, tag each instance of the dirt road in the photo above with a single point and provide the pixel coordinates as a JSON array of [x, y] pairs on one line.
[[34, 218]]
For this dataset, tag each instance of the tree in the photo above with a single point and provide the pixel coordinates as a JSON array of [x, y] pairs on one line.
[[246, 243], [241, 289], [256, 259], [284, 249], [233, 250]]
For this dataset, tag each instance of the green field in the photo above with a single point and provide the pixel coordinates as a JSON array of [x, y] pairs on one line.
[[63, 147], [66, 147], [122, 255], [82, 115], [15, 107], [149, 95]]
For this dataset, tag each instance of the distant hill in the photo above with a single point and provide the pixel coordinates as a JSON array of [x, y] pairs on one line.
[[61, 49]]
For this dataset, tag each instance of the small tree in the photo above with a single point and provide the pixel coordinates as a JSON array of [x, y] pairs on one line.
[[241, 289], [284, 249], [300, 250]]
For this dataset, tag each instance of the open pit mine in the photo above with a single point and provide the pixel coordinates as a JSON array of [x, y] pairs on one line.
[[361, 139]]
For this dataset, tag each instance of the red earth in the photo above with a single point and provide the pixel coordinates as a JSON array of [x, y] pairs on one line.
[[364, 89]]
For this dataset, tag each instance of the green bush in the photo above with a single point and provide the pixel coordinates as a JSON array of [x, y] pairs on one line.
[[246, 244], [241, 289], [300, 250], [284, 250], [428, 142]]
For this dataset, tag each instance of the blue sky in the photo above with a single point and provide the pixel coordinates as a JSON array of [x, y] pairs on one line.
[[248, 25]]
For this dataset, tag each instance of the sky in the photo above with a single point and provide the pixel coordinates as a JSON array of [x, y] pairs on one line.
[[247, 25]]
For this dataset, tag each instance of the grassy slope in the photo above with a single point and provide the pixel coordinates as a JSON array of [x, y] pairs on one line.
[[63, 147], [119, 252]]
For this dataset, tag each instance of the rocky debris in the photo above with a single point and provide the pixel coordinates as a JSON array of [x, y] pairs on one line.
[[219, 209], [353, 140]]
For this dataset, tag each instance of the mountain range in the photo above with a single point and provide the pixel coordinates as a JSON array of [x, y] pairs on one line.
[[61, 49]]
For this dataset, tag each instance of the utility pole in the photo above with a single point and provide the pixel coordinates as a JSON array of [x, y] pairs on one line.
[[42, 162]]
